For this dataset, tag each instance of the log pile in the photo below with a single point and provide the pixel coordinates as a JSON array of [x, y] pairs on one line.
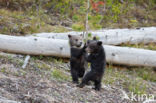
[[44, 45], [113, 36]]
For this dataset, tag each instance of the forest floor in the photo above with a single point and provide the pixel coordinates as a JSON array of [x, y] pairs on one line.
[[48, 80]]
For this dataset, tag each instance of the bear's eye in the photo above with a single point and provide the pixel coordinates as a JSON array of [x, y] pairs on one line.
[[76, 39]]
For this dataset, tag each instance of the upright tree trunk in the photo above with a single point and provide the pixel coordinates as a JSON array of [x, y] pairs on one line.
[[87, 26]]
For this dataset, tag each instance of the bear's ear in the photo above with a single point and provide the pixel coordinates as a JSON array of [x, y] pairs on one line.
[[94, 38], [99, 43], [81, 35], [69, 36]]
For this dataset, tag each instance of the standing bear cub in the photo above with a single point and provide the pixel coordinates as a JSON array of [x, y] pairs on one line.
[[78, 63], [98, 62]]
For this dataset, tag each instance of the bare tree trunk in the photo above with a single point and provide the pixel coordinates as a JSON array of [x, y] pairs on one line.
[[113, 36], [87, 26], [34, 46], [60, 48]]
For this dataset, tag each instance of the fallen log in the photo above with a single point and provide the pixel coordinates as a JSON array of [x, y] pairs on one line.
[[34, 46], [130, 56], [60, 48], [113, 36]]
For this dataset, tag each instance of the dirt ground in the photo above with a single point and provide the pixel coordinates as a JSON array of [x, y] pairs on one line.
[[41, 82]]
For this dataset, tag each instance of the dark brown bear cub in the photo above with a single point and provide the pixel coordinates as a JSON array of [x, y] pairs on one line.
[[98, 62], [77, 59]]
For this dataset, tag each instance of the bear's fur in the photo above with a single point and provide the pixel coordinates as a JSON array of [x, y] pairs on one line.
[[98, 62], [78, 63]]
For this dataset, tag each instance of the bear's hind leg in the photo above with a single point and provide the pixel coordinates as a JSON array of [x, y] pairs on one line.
[[86, 79], [97, 84], [81, 72], [74, 75]]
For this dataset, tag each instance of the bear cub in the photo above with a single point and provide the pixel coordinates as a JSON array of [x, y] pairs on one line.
[[78, 63], [97, 59]]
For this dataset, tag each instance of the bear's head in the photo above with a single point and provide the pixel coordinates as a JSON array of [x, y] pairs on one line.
[[93, 46], [75, 40]]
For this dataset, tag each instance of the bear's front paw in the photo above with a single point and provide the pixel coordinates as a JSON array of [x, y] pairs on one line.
[[88, 83], [75, 82], [85, 46], [97, 89], [80, 85]]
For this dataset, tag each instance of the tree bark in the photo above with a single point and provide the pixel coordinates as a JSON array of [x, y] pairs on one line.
[[60, 48], [113, 36], [34, 46], [87, 26]]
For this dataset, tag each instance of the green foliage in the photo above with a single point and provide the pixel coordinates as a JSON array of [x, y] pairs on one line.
[[116, 12], [146, 74], [98, 38], [94, 21], [41, 57], [25, 17], [89, 17], [150, 46], [3, 70], [89, 35], [60, 6], [75, 18], [82, 10], [133, 80], [59, 75], [137, 87], [43, 66], [115, 9], [78, 27]]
